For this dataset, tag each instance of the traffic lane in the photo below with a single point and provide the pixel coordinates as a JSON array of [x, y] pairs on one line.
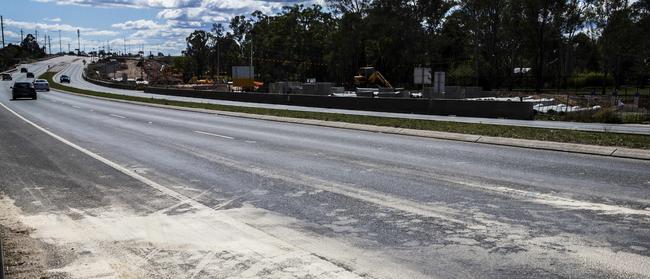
[[280, 193], [84, 218], [545, 171], [75, 72], [75, 69], [43, 175], [40, 177]]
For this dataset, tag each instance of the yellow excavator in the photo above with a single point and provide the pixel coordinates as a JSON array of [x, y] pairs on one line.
[[369, 77]]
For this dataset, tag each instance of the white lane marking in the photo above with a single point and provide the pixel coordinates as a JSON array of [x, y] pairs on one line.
[[251, 141], [118, 116], [258, 237], [77, 107], [92, 110], [214, 135]]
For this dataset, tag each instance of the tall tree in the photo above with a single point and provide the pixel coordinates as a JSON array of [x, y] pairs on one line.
[[198, 48], [30, 46]]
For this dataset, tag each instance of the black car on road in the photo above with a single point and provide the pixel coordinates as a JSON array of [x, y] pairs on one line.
[[23, 70], [23, 89], [64, 79], [30, 75], [6, 77]]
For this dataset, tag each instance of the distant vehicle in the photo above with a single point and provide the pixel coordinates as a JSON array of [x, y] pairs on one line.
[[6, 77], [23, 89], [416, 95], [23, 70], [30, 75], [141, 81], [41, 84], [64, 79]]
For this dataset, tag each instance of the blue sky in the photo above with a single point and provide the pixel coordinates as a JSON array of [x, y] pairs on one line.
[[161, 25]]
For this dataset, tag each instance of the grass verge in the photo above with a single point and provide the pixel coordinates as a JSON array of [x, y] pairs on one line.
[[544, 134]]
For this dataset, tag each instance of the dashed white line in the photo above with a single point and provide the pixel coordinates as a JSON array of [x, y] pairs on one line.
[[118, 116], [77, 107], [214, 135]]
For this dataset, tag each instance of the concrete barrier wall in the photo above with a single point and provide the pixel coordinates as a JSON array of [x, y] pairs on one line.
[[490, 109], [110, 84]]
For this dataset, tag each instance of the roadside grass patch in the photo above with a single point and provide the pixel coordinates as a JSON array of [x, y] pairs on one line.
[[530, 133]]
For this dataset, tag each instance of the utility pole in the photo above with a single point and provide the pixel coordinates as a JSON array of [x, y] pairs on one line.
[[124, 42], [251, 69], [68, 47], [21, 35], [78, 43], [36, 35], [2, 26], [60, 46], [49, 42]]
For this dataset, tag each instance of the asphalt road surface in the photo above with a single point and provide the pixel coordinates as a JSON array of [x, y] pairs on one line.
[[107, 189], [76, 68]]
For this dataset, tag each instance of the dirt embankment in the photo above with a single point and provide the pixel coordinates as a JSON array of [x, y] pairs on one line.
[[24, 257]]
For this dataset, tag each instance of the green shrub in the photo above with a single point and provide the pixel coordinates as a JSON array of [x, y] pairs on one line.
[[635, 117], [607, 116], [590, 79]]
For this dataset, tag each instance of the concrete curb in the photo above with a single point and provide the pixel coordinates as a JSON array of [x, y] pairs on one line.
[[608, 151]]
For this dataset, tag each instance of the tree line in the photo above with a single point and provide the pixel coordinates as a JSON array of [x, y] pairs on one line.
[[14, 54], [494, 44]]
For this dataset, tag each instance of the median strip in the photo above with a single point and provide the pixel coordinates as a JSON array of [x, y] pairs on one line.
[[548, 139]]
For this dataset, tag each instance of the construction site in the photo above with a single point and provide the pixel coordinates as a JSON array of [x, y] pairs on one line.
[[156, 73]]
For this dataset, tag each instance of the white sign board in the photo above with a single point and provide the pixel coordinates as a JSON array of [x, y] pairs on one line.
[[243, 76], [439, 82], [242, 72], [422, 76]]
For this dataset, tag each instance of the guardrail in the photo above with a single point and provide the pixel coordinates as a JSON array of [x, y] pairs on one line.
[[488, 109]]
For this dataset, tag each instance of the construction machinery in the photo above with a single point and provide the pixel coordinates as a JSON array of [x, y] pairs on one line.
[[371, 83], [369, 77]]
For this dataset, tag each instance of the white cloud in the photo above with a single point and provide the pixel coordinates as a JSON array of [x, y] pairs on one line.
[[140, 24], [127, 3], [55, 27], [11, 34], [56, 19], [175, 19]]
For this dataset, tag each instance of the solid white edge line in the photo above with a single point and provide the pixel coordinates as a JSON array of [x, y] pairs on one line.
[[256, 233], [214, 135], [101, 159]]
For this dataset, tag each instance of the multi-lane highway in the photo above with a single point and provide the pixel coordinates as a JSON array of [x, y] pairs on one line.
[[76, 68], [120, 190]]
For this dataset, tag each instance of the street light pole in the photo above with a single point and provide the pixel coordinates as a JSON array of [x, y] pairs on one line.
[[251, 67], [2, 26], [78, 42]]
